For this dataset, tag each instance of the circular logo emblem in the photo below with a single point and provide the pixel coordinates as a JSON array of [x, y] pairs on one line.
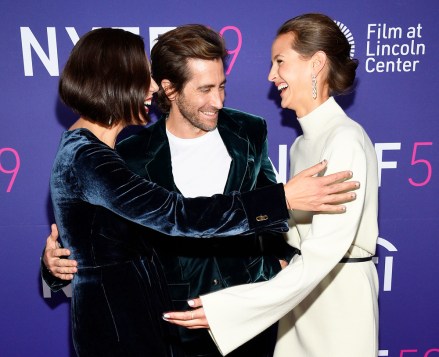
[[348, 35]]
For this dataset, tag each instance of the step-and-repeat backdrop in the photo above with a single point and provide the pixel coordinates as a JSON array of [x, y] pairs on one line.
[[395, 100]]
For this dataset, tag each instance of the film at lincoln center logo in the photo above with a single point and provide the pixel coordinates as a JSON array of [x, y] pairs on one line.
[[348, 35]]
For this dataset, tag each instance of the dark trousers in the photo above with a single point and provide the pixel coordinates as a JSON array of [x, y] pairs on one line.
[[202, 345]]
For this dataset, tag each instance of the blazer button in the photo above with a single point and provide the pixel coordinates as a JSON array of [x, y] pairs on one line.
[[215, 282]]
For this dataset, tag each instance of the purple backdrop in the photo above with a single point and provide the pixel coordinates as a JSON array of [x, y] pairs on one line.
[[396, 43]]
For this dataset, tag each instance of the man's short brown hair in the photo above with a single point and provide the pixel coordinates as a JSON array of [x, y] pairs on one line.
[[170, 55]]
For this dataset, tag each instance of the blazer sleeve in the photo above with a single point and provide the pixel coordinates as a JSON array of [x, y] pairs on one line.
[[105, 180], [239, 313]]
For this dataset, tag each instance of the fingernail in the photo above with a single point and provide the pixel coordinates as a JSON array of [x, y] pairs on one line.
[[357, 184], [353, 195], [166, 316], [351, 173], [324, 162], [343, 208], [191, 302]]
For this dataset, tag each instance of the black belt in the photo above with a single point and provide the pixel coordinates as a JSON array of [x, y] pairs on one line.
[[355, 260]]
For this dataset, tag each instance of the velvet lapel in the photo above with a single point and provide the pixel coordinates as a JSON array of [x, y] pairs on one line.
[[237, 146], [158, 164]]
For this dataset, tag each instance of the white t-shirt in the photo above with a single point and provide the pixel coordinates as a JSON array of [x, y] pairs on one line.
[[200, 166]]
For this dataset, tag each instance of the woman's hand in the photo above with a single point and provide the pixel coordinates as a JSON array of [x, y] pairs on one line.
[[308, 192], [191, 319]]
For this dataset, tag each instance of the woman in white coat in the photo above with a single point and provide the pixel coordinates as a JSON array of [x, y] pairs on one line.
[[327, 297]]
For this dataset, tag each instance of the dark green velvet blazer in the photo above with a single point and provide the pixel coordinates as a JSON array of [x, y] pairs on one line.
[[194, 268]]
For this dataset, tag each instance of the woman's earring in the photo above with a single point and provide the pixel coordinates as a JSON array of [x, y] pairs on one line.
[[314, 86]]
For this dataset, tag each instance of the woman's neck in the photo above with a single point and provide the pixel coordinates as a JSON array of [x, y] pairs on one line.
[[106, 135]]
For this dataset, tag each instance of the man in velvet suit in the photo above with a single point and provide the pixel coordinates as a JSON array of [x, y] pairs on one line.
[[196, 267], [200, 148]]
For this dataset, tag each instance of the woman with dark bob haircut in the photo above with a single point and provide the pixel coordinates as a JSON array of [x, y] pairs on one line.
[[118, 293], [327, 298]]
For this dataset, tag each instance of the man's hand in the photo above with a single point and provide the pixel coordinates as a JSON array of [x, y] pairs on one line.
[[54, 258], [307, 192], [192, 319]]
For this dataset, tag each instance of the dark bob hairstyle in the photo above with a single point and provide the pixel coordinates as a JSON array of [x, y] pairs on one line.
[[107, 77]]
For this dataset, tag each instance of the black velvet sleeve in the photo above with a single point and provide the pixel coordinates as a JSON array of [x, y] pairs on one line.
[[104, 179]]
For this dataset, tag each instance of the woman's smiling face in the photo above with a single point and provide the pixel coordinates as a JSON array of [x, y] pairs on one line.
[[291, 74]]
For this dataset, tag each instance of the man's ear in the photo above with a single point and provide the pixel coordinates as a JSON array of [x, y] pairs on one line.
[[168, 87]]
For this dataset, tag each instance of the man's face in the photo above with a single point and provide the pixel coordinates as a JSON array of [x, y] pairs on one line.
[[197, 105]]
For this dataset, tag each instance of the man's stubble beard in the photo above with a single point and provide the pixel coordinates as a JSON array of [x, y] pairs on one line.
[[190, 114]]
